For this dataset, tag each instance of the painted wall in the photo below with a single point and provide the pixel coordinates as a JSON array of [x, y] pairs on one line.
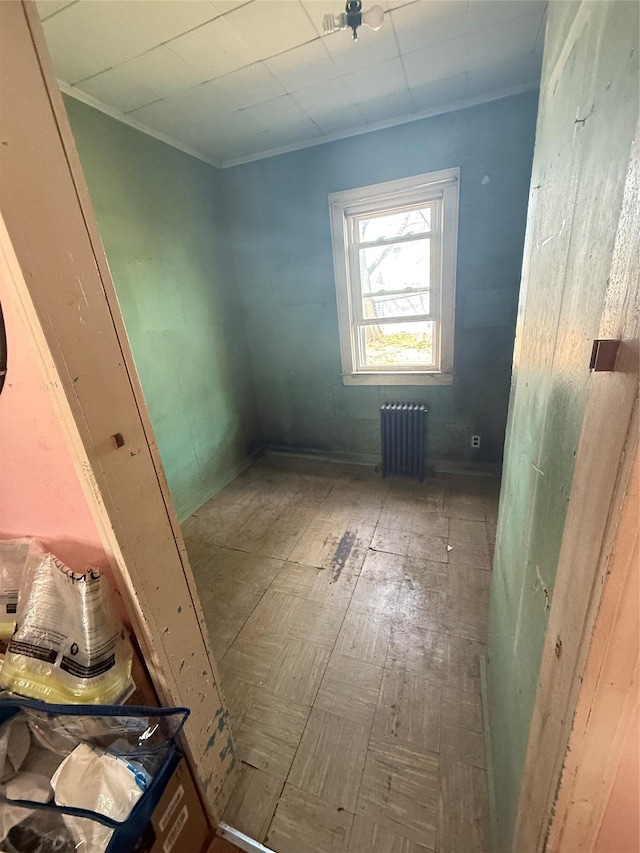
[[162, 223], [40, 493], [588, 112], [279, 217]]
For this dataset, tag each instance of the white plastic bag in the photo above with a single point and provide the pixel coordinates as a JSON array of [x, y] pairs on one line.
[[101, 782], [69, 646]]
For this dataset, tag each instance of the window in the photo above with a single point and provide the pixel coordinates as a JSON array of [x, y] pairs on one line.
[[394, 247]]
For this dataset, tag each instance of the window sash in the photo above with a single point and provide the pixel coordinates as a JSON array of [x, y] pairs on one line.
[[436, 189], [354, 273]]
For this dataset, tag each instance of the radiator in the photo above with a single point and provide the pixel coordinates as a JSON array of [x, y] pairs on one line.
[[403, 431]]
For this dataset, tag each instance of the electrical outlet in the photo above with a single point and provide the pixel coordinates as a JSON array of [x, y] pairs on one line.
[[475, 441]]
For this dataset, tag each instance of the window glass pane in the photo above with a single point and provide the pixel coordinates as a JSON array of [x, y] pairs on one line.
[[397, 266], [397, 344], [394, 224], [400, 305]]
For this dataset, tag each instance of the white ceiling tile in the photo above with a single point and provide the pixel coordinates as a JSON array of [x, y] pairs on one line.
[[222, 127], [488, 81], [512, 40], [429, 22], [248, 86], [440, 92], [213, 48], [436, 62], [169, 18], [281, 114], [154, 75], [484, 14], [223, 6], [182, 109], [270, 27], [325, 97], [337, 119], [88, 37], [303, 66], [46, 8], [381, 80], [386, 108], [371, 48]]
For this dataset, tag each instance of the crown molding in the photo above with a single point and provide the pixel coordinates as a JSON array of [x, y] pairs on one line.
[[452, 106]]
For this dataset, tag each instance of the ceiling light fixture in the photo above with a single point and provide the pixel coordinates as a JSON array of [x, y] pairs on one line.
[[353, 17]]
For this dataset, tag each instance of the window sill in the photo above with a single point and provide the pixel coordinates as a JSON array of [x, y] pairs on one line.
[[435, 378]]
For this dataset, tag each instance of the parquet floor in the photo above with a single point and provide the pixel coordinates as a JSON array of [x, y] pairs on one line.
[[348, 615]]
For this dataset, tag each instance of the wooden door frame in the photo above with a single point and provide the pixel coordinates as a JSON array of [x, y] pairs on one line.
[[601, 483], [52, 259]]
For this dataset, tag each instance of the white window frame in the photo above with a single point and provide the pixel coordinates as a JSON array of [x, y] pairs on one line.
[[440, 188]]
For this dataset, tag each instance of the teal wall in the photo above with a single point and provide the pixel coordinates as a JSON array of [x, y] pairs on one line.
[[576, 191], [279, 218], [162, 223]]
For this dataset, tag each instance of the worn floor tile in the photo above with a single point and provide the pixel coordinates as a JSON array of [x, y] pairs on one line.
[[253, 802], [465, 826], [427, 573], [330, 759], [400, 789], [465, 583], [463, 745], [420, 605], [315, 584], [251, 659], [409, 709], [467, 619], [271, 616], [305, 824], [359, 657], [374, 594], [297, 671], [417, 650], [463, 662], [270, 732], [350, 689], [315, 623], [391, 540], [364, 636], [462, 708], [479, 560], [333, 545], [370, 837], [275, 537], [383, 566], [237, 694], [428, 547], [468, 535]]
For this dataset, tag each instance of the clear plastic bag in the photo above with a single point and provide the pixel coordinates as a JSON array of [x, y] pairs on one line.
[[16, 555], [69, 645], [106, 767]]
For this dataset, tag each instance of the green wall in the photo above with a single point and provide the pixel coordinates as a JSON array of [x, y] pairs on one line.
[[588, 113], [279, 217], [162, 223]]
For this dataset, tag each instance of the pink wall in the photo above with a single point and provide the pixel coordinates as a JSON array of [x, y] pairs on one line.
[[620, 830], [40, 494]]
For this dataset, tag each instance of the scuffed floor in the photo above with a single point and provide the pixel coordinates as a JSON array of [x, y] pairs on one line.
[[348, 615]]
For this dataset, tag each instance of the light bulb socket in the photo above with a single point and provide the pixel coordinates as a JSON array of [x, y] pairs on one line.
[[353, 10]]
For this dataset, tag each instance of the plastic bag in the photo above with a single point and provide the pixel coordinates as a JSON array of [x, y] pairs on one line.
[[107, 765], [69, 645], [15, 556]]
